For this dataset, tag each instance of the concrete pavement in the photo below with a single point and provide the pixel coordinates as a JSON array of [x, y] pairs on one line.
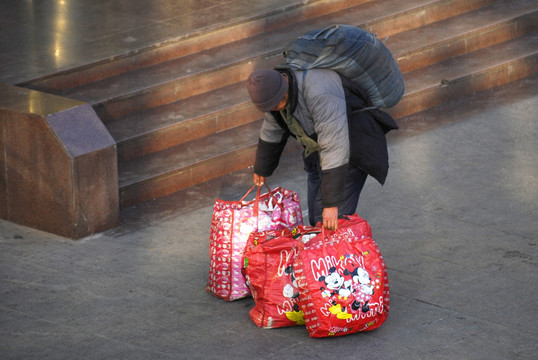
[[457, 222]]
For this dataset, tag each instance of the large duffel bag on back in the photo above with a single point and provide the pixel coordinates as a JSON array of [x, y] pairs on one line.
[[354, 53]]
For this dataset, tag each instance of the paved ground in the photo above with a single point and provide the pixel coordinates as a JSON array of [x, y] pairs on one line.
[[457, 222]]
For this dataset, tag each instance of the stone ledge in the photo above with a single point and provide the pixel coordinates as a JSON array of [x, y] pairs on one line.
[[58, 164]]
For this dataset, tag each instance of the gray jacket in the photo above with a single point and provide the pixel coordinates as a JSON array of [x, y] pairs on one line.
[[321, 112], [319, 105], [336, 113]]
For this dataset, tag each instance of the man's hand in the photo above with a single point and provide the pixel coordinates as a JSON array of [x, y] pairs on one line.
[[259, 180], [330, 218]]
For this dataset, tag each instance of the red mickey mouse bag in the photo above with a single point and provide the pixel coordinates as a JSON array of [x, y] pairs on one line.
[[268, 268], [343, 281]]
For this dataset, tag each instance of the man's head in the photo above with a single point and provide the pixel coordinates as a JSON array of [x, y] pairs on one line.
[[268, 89]]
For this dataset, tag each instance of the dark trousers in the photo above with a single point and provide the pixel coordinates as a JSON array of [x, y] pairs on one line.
[[355, 179]]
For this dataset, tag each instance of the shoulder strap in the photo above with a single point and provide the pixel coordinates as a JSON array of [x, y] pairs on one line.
[[296, 129]]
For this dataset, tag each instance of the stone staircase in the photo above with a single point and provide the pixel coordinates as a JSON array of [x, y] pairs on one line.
[[180, 113]]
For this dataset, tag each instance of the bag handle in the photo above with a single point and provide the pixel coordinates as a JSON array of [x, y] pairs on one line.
[[258, 194], [248, 192], [256, 207], [312, 230]]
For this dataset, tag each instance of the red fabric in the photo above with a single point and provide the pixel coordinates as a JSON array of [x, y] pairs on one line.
[[231, 225], [343, 281], [268, 268]]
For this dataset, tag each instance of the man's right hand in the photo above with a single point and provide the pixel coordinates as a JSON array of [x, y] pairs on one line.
[[259, 180], [330, 218]]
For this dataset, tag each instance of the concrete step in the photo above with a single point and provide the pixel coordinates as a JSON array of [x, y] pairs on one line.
[[214, 111], [468, 32], [465, 74], [233, 21], [169, 125], [176, 168], [224, 65], [187, 164]]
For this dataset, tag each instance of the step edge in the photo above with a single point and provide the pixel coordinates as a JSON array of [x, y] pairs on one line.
[[409, 95], [224, 67]]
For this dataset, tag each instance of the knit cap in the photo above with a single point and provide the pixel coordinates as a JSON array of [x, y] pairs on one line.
[[266, 88]]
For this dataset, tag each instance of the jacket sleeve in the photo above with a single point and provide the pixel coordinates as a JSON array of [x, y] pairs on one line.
[[271, 143], [332, 185], [326, 102]]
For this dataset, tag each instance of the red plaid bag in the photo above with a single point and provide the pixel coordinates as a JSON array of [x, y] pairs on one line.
[[343, 281], [231, 225]]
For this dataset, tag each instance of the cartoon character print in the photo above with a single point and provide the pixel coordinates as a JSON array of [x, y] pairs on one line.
[[348, 291], [338, 291], [291, 291], [335, 284], [296, 315], [281, 210], [362, 288]]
